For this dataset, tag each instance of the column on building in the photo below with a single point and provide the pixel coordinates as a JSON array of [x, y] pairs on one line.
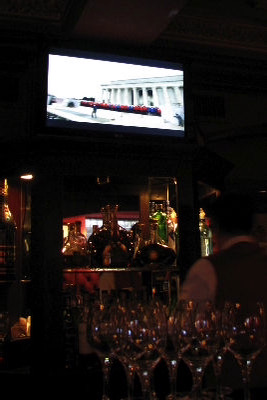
[[160, 95], [129, 96], [114, 96], [135, 96], [104, 94], [166, 96], [172, 95], [125, 96], [179, 94], [145, 98], [155, 96], [109, 95], [120, 96]]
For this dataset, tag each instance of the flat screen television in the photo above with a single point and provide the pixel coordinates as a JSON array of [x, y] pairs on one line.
[[114, 94]]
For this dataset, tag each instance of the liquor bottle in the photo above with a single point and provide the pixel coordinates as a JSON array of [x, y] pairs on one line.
[[99, 239], [7, 235], [172, 228], [119, 250], [205, 235], [155, 252], [138, 239], [111, 245], [161, 217], [75, 250]]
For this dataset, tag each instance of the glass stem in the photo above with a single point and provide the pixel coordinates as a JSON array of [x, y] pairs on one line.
[[106, 370], [146, 382], [217, 363], [246, 371], [130, 372], [173, 365], [197, 383]]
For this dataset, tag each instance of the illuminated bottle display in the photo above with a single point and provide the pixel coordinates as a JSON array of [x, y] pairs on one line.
[[167, 223], [161, 217], [7, 235], [75, 250], [205, 235]]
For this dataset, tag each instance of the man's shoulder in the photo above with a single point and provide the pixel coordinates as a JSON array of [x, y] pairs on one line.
[[203, 263]]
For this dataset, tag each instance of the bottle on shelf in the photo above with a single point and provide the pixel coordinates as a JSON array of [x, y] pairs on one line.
[[172, 227], [7, 236], [111, 245], [118, 251], [205, 234], [155, 253], [26, 238], [160, 216], [138, 239], [75, 250]]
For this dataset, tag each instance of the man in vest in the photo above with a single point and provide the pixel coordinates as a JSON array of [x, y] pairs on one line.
[[237, 269]]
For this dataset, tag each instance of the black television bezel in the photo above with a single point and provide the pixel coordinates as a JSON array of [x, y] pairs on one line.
[[108, 131]]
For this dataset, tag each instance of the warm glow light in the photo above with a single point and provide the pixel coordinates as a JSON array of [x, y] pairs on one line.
[[27, 177]]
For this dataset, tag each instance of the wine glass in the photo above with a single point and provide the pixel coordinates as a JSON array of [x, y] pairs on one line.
[[173, 351], [198, 339], [246, 337], [99, 329], [220, 351], [119, 343], [146, 335]]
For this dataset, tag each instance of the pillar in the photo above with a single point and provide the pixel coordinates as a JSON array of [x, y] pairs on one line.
[[135, 96], [129, 96], [145, 98], [155, 97], [46, 267], [179, 94], [166, 96], [189, 237], [122, 96]]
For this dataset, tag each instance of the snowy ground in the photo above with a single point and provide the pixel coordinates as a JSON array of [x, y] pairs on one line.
[[84, 114]]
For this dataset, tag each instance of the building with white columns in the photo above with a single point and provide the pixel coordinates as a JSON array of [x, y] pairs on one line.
[[163, 92]]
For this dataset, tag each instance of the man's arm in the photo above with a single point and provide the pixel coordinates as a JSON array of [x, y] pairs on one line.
[[200, 283]]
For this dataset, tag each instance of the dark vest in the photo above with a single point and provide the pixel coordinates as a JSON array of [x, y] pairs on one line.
[[242, 274], [242, 277]]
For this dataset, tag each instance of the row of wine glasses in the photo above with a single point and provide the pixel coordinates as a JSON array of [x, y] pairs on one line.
[[136, 333], [245, 332], [202, 334]]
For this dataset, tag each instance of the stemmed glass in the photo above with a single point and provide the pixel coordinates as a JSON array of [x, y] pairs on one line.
[[99, 329], [198, 339], [146, 335], [173, 352], [246, 337], [119, 343], [220, 351]]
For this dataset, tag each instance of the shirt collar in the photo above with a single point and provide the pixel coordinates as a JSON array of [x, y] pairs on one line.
[[237, 239]]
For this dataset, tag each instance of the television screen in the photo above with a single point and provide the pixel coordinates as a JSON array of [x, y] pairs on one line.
[[114, 94]]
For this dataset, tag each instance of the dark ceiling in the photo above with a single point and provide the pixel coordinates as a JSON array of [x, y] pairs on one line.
[[238, 24]]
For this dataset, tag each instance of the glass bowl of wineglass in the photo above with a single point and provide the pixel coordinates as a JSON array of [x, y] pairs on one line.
[[246, 336], [197, 339], [146, 335]]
